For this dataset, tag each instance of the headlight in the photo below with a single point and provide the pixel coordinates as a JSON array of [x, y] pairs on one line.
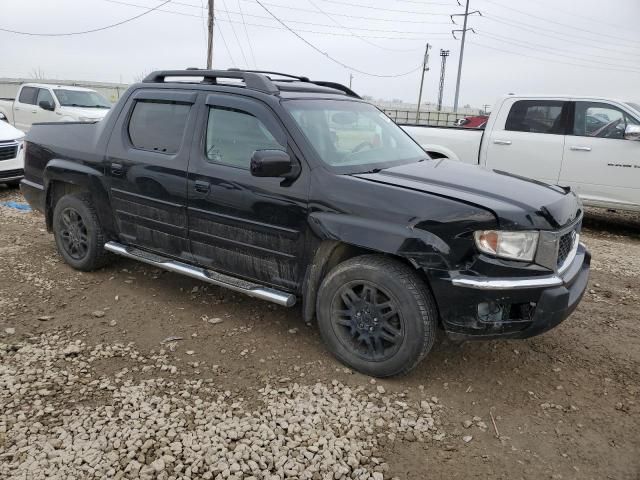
[[511, 245]]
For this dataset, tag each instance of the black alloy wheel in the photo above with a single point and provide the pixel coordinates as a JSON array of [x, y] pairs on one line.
[[73, 233]]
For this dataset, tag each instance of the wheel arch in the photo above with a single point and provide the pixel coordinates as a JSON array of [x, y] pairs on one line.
[[64, 177]]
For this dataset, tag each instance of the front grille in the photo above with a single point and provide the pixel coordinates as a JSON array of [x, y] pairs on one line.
[[11, 173], [565, 245], [7, 152]]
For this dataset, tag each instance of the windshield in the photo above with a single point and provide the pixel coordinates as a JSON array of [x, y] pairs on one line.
[[353, 136], [81, 98]]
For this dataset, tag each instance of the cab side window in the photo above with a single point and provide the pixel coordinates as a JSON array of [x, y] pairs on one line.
[[28, 95], [536, 116], [44, 95], [233, 135], [600, 120], [158, 126]]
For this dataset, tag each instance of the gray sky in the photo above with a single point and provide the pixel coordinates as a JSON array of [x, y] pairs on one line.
[[586, 47]]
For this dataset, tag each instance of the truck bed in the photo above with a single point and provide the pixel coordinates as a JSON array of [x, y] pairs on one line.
[[456, 143]]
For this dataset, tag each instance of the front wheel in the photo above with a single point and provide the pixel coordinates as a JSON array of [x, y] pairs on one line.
[[376, 315], [78, 232]]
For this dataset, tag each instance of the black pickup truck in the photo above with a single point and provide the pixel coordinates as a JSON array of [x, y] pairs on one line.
[[284, 188]]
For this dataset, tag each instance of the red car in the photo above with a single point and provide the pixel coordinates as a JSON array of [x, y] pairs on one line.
[[475, 121]]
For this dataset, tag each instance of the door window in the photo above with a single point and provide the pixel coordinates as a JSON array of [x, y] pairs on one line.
[[600, 120], [536, 116], [233, 135], [28, 95], [44, 95], [158, 126]]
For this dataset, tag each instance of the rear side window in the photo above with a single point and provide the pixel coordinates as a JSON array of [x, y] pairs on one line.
[[28, 95], [536, 116], [233, 136], [158, 126]]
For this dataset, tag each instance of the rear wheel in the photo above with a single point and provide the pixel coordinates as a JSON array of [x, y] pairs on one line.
[[78, 233], [376, 315]]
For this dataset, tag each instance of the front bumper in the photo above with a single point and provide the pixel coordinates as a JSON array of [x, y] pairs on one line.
[[521, 307]]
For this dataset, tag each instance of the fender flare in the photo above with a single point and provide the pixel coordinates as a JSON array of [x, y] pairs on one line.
[[80, 177]]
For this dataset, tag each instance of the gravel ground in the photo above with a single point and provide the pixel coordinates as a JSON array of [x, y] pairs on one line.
[[131, 372]]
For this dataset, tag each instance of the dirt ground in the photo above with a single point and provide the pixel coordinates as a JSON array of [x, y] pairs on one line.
[[565, 404]]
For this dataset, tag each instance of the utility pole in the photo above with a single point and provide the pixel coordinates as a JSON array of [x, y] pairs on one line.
[[444, 54], [425, 68], [485, 108], [350, 80], [210, 37], [464, 34]]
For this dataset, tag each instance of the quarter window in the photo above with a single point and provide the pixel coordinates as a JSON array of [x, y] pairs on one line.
[[28, 95], [233, 136], [158, 126], [536, 116], [600, 120]]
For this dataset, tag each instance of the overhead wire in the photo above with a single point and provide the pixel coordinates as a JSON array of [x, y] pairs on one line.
[[235, 34], [350, 30], [246, 33], [93, 30], [338, 62]]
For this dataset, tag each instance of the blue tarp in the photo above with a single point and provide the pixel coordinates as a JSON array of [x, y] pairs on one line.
[[18, 206]]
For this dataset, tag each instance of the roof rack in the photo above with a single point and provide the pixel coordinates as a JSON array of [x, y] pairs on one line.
[[253, 79], [268, 72]]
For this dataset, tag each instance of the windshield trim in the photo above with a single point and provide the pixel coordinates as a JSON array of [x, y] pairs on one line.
[[351, 169]]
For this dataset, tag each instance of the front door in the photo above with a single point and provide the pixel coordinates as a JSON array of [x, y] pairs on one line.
[[532, 140], [239, 224], [599, 164], [147, 159], [44, 115]]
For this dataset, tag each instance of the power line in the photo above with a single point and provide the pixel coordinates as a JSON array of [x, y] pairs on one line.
[[351, 30], [236, 36], [564, 25], [553, 51], [226, 46], [307, 10], [106, 27], [246, 33], [329, 56], [562, 62], [370, 7], [292, 21], [537, 30]]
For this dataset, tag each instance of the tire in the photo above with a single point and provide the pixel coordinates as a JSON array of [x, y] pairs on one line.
[[76, 223], [376, 315]]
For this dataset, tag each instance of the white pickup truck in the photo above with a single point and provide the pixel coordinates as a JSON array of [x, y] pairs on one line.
[[38, 102], [586, 143]]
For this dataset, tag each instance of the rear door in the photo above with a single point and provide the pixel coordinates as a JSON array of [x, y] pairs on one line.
[[528, 138], [240, 224], [146, 161], [599, 164], [25, 109]]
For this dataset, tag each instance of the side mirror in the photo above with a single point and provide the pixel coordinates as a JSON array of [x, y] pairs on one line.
[[632, 132], [47, 105], [271, 163]]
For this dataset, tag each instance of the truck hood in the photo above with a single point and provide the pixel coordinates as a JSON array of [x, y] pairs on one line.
[[77, 112], [517, 203], [9, 132]]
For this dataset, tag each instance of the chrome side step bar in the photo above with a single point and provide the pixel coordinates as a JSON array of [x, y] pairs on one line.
[[232, 283]]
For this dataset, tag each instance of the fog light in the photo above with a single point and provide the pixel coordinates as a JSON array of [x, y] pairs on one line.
[[490, 312]]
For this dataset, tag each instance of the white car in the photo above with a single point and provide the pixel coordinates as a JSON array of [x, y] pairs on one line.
[[37, 102], [11, 154], [586, 143]]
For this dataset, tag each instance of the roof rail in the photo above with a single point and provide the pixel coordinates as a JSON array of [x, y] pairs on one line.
[[268, 72], [252, 80], [337, 86]]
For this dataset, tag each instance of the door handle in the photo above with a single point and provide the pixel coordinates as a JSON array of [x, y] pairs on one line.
[[502, 142], [578, 148], [117, 169], [201, 186]]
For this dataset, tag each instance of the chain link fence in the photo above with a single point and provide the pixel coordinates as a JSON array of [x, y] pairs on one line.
[[433, 119]]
